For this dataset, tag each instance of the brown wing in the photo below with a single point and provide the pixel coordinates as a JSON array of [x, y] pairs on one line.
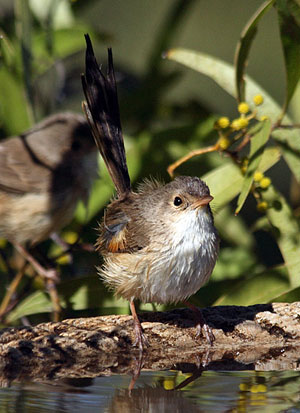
[[120, 231], [20, 172], [28, 161]]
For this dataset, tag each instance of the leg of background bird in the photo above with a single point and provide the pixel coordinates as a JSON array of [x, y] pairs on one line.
[[202, 327], [140, 338], [44, 272], [11, 290], [50, 277], [51, 288]]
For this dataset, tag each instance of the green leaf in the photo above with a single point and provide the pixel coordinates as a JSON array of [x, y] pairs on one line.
[[233, 262], [224, 190], [257, 144], [270, 157], [233, 229], [102, 191], [289, 142], [243, 47], [225, 182], [223, 74], [7, 51], [13, 96], [218, 70], [260, 288], [89, 293], [288, 296], [37, 302], [286, 231], [289, 19]]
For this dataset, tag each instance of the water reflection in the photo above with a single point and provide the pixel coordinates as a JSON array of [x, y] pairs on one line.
[[247, 391]]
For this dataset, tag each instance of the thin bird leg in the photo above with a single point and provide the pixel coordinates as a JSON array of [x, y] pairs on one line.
[[44, 272], [52, 290], [50, 277], [201, 327], [190, 155], [140, 339]]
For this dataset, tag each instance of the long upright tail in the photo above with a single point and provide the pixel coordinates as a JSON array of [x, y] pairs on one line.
[[102, 112]]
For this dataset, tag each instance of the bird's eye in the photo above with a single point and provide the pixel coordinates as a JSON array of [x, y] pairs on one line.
[[177, 201]]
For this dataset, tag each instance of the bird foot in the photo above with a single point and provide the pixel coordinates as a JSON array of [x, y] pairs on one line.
[[206, 331], [141, 340], [202, 327]]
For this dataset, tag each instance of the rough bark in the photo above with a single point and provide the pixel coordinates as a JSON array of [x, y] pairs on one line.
[[262, 337]]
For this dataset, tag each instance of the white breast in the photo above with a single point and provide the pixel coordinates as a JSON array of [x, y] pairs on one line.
[[187, 260]]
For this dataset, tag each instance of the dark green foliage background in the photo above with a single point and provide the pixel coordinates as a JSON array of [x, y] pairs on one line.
[[167, 110]]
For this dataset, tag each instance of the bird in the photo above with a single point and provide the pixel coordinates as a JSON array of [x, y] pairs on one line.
[[44, 172], [158, 242]]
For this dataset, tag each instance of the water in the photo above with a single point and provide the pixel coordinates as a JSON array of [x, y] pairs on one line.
[[166, 391]]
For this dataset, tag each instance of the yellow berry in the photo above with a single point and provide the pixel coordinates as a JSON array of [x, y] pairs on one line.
[[258, 176], [243, 122], [244, 169], [245, 162], [223, 122], [243, 108], [258, 100], [70, 237], [235, 124], [239, 123], [264, 117], [244, 165], [224, 143], [265, 182], [3, 242], [262, 206], [63, 259]]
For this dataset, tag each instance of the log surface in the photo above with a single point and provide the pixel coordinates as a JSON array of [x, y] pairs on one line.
[[261, 337]]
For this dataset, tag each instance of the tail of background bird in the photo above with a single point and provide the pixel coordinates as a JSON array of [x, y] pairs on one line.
[[102, 112]]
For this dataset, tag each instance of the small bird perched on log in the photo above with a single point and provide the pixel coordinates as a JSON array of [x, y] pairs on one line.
[[159, 243], [44, 172]]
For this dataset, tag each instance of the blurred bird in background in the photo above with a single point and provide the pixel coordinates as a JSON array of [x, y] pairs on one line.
[[44, 172]]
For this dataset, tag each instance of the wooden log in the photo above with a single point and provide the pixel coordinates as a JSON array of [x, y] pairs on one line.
[[262, 337]]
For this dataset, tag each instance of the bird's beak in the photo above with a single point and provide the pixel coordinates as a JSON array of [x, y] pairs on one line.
[[202, 202]]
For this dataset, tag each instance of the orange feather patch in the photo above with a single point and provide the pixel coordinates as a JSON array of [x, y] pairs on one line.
[[118, 242]]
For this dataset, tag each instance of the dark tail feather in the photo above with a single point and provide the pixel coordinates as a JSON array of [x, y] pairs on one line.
[[102, 112]]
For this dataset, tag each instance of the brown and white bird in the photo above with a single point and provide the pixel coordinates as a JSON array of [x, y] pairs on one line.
[[159, 243], [44, 172]]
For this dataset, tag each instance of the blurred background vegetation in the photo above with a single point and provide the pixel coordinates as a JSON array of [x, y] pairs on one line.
[[168, 110]]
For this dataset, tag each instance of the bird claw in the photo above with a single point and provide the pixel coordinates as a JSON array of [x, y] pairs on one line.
[[141, 340], [206, 331]]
